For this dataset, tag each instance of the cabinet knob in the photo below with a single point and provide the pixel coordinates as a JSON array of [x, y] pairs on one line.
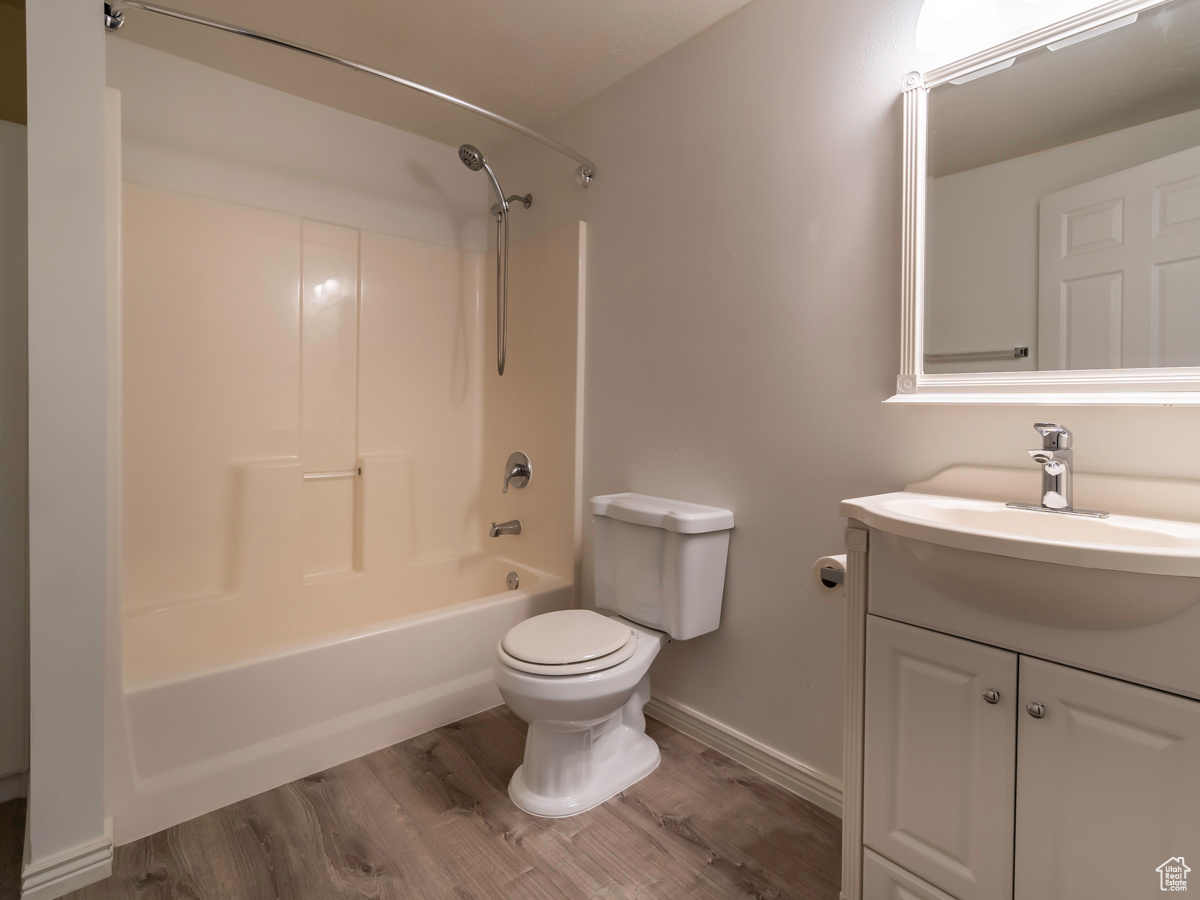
[[1036, 710], [991, 696]]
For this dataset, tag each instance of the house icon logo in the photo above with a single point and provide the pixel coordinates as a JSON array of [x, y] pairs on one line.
[[1172, 875]]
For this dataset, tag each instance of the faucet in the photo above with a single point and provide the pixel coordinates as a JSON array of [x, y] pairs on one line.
[[517, 471], [513, 527], [1057, 459]]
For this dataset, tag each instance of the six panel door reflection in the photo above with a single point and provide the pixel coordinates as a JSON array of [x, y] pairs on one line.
[[1119, 269]]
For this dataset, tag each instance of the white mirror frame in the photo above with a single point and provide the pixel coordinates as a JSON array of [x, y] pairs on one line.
[[1074, 387]]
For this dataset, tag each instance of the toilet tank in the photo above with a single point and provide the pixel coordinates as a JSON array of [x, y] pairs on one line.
[[661, 563]]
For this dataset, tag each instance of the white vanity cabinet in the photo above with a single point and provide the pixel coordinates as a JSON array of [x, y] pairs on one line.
[[1094, 781], [1108, 785], [940, 758]]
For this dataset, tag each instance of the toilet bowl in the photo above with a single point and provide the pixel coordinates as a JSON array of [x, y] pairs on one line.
[[580, 679], [587, 736]]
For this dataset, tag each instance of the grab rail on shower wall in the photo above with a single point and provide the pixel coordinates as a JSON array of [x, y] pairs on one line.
[[114, 18]]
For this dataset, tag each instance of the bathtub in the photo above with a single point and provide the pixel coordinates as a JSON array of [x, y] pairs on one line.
[[229, 696]]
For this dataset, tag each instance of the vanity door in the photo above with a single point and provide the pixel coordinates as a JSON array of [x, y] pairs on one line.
[[939, 758], [1108, 787]]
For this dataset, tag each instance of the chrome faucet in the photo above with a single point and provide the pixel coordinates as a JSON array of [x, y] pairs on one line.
[[513, 527], [517, 471], [1057, 459]]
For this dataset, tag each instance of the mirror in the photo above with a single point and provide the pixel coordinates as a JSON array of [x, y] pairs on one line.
[[1061, 202]]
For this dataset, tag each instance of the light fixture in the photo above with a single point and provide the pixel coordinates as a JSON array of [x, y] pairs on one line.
[[955, 25]]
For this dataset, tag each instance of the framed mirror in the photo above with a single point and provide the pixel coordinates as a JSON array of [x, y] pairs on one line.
[[1052, 216]]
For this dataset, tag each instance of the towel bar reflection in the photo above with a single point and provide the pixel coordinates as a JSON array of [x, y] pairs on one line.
[[339, 473], [978, 355]]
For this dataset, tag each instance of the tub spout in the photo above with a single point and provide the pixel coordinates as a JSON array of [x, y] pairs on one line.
[[513, 527]]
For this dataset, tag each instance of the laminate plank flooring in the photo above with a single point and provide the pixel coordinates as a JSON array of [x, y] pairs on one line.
[[431, 818]]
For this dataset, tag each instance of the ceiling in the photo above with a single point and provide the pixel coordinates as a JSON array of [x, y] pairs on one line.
[[1145, 71], [529, 60]]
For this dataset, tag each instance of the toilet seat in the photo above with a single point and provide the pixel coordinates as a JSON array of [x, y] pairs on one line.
[[567, 642]]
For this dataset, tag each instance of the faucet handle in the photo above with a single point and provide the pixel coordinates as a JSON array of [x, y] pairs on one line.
[[1054, 436], [517, 471]]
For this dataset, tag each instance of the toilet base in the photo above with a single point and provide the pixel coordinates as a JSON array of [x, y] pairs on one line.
[[629, 756]]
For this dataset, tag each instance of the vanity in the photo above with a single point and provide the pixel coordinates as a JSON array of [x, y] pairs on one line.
[[1023, 646], [1024, 690]]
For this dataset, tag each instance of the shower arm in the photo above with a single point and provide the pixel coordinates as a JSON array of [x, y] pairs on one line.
[[526, 200], [114, 18]]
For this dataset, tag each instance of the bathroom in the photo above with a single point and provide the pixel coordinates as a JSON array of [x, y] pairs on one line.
[[253, 600]]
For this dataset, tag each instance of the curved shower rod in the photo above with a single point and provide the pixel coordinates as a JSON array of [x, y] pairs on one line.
[[114, 18]]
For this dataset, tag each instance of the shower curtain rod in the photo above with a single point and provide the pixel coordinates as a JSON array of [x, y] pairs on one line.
[[114, 18]]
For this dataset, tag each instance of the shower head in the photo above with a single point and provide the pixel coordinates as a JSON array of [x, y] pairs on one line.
[[476, 161], [471, 157]]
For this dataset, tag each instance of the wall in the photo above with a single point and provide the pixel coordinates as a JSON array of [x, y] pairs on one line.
[[190, 128], [14, 489], [982, 282], [66, 839], [254, 340], [535, 406], [743, 331]]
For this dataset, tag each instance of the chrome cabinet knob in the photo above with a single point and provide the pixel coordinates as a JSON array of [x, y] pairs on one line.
[[1036, 710], [991, 696]]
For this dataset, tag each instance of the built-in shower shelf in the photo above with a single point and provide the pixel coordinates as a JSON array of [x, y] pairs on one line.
[[336, 473], [338, 575]]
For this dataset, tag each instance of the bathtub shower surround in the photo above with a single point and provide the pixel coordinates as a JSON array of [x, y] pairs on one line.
[[307, 475]]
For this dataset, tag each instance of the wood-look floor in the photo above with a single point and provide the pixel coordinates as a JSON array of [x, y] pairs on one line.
[[431, 818]]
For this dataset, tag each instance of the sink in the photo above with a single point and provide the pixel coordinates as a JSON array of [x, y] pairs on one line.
[[1046, 568]]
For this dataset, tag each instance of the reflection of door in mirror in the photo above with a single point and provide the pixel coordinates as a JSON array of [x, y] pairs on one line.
[[1062, 204], [1119, 269]]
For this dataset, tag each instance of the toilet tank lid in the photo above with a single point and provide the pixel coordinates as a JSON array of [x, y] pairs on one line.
[[658, 512]]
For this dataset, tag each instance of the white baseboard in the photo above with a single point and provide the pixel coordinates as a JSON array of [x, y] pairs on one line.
[[785, 771], [68, 871], [14, 786]]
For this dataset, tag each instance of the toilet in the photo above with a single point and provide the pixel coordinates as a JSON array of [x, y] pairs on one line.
[[581, 678]]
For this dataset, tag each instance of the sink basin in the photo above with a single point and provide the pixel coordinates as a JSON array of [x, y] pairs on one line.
[[1047, 568]]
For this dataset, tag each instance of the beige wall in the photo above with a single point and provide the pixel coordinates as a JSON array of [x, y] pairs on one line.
[[254, 339], [532, 408], [218, 168], [743, 329], [190, 128]]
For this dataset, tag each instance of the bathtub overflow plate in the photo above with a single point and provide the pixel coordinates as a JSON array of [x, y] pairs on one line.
[[513, 581]]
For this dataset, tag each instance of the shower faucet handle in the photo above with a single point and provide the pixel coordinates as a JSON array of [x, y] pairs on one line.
[[517, 471]]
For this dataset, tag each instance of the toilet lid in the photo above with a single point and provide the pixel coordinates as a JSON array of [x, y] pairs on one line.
[[587, 667], [564, 637]]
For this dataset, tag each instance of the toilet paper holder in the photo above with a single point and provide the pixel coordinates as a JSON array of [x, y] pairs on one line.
[[831, 577]]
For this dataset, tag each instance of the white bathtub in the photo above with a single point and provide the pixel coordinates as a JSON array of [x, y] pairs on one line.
[[230, 696]]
